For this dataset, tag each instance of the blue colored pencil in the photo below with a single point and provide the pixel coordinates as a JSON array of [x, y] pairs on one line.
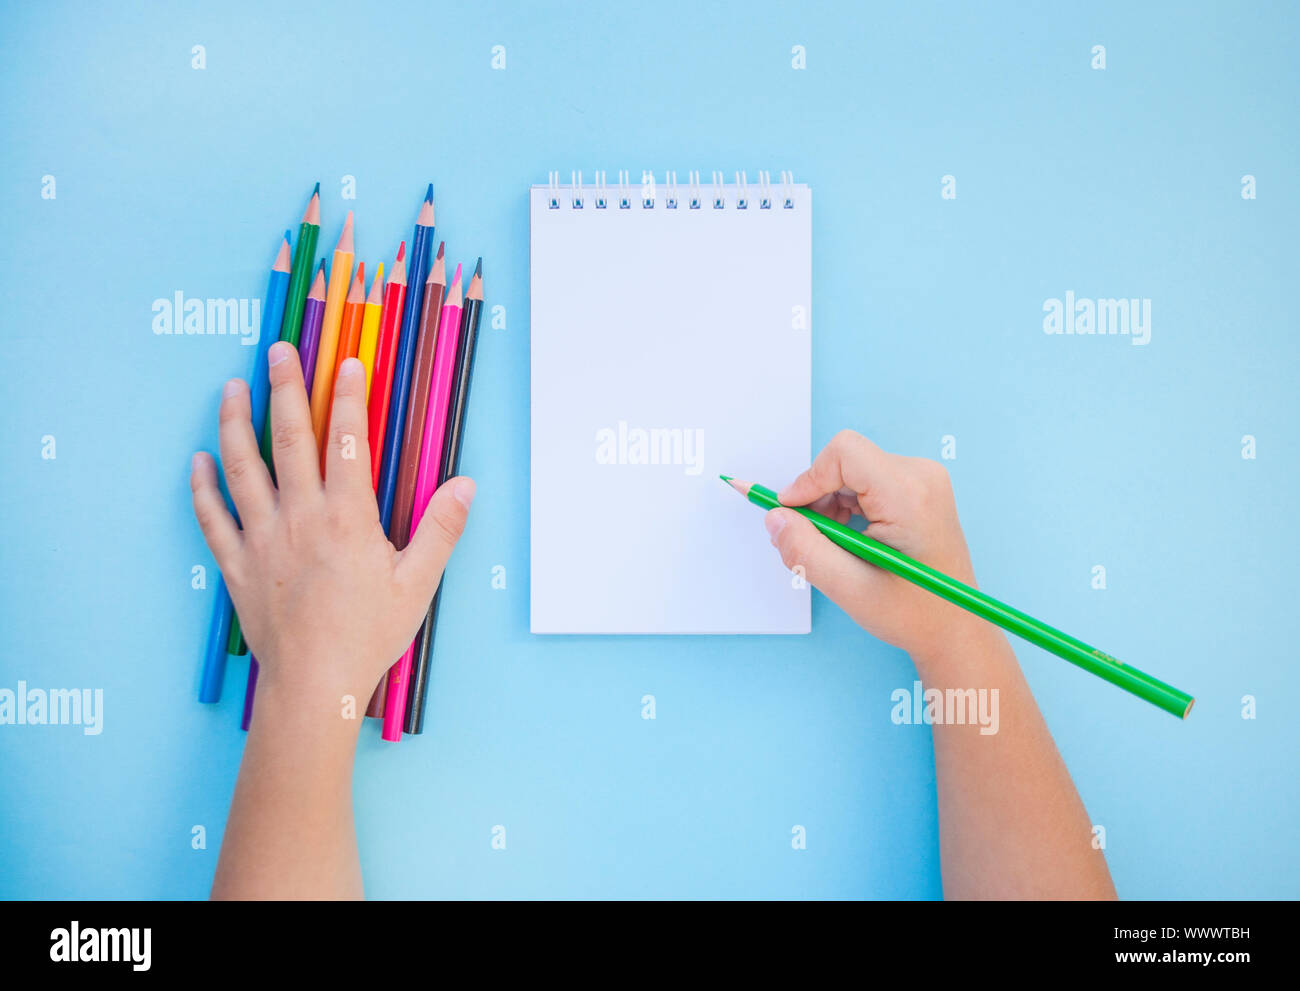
[[277, 290], [416, 272]]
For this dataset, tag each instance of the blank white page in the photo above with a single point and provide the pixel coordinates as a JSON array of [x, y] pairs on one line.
[[668, 346]]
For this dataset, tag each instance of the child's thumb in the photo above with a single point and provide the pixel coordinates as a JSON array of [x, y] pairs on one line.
[[440, 527]]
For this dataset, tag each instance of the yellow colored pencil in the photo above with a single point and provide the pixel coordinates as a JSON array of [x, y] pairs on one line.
[[370, 326], [322, 385]]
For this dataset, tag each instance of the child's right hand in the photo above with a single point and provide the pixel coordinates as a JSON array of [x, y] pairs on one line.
[[909, 505]]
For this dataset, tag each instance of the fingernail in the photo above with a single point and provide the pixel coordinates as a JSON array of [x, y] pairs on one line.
[[278, 353], [194, 462], [775, 523], [231, 389], [351, 366], [464, 491]]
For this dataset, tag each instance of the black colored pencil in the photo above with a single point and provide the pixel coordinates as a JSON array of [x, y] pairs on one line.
[[467, 345]]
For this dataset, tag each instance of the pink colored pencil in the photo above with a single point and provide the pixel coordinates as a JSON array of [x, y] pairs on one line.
[[426, 479]]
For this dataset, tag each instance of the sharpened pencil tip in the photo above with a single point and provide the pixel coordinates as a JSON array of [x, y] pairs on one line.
[[283, 261], [428, 196], [478, 269], [441, 246], [346, 242], [725, 478], [401, 251], [316, 191]]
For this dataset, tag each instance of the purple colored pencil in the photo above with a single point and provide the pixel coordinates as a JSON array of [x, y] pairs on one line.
[[250, 689], [313, 314]]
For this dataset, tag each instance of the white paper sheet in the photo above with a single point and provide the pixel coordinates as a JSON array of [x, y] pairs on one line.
[[678, 336]]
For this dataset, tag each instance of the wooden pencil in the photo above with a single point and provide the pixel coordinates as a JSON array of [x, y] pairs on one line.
[[250, 692], [386, 488], [304, 263], [421, 372], [372, 314], [212, 676], [350, 326], [349, 340], [1172, 700], [385, 353], [300, 271], [378, 396], [441, 385], [322, 383], [465, 353], [313, 312], [467, 346]]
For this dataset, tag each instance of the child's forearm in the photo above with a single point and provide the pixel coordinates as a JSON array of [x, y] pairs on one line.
[[290, 833], [1011, 824], [327, 602]]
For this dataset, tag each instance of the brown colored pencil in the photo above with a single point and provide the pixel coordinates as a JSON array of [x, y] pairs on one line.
[[418, 404]]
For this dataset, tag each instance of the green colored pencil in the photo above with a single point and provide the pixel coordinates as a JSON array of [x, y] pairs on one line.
[[304, 268], [300, 275], [985, 606]]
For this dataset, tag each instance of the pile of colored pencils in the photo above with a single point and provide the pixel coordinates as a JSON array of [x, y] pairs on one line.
[[416, 335]]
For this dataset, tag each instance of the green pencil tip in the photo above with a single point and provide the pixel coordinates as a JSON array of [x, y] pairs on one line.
[[316, 190], [725, 478]]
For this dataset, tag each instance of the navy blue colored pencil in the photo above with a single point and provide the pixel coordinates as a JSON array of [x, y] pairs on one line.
[[416, 272]]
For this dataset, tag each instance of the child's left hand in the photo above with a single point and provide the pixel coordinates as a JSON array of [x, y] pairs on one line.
[[326, 602]]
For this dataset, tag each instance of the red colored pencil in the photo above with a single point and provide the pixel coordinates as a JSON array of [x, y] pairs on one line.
[[381, 387]]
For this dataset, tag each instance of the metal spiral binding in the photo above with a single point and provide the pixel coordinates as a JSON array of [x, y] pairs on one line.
[[650, 197]]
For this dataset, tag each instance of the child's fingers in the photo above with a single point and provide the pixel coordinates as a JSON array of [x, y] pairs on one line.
[[293, 444], [440, 527], [848, 460], [246, 476], [347, 456], [830, 505], [218, 526], [846, 580]]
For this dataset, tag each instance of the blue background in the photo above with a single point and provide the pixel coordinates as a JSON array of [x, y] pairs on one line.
[[1071, 451]]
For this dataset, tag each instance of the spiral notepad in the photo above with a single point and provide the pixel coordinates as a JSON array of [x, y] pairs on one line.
[[671, 342]]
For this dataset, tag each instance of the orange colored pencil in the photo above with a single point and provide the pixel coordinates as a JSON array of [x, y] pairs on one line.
[[322, 384], [353, 311], [385, 358], [349, 339]]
